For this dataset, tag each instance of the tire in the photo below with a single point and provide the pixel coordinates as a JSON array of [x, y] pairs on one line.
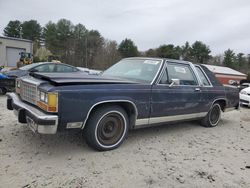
[[213, 117], [107, 128], [3, 91]]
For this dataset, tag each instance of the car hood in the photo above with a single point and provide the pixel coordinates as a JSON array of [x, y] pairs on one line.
[[246, 89], [16, 73], [78, 78]]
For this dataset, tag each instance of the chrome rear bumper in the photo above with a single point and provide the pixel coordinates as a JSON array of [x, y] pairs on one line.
[[37, 120]]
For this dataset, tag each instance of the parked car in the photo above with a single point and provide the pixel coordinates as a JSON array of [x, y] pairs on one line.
[[134, 93], [244, 85], [8, 84], [245, 96], [41, 67]]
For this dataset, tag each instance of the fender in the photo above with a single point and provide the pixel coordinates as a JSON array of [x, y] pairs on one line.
[[107, 102], [224, 99]]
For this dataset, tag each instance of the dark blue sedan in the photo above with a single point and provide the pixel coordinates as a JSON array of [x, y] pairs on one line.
[[134, 93]]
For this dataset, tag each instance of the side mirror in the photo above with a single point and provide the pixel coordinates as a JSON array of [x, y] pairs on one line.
[[174, 82]]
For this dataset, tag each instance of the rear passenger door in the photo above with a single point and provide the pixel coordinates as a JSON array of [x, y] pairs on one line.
[[177, 102]]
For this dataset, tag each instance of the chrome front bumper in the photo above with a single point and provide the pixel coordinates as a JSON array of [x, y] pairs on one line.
[[37, 120]]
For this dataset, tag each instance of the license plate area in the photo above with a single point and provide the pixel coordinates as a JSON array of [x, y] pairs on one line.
[[31, 124]]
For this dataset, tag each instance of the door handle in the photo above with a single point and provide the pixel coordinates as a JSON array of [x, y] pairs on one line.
[[197, 89]]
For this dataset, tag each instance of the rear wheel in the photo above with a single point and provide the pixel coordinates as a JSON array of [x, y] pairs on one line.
[[107, 128], [213, 117]]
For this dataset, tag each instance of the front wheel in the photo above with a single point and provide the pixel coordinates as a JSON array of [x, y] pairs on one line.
[[213, 117], [107, 128]]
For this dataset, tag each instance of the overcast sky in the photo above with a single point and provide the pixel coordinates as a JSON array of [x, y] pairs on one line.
[[221, 24]]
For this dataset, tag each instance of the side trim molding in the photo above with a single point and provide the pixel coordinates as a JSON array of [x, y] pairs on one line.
[[169, 118]]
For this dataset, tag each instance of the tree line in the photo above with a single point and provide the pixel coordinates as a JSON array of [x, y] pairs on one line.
[[79, 46]]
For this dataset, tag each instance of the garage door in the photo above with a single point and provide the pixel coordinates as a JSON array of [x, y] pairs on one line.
[[13, 56]]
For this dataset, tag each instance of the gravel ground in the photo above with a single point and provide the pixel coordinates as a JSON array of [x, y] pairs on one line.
[[179, 155]]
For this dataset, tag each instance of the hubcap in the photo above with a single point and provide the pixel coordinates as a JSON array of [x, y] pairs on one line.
[[110, 129], [215, 115]]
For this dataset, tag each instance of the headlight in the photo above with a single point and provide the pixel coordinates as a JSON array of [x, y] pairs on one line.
[[43, 96], [243, 92], [48, 101], [18, 85]]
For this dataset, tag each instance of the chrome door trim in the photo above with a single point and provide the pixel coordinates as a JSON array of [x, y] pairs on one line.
[[165, 119]]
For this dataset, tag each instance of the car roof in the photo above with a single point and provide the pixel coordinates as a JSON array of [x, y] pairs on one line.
[[44, 63], [41, 63], [163, 59]]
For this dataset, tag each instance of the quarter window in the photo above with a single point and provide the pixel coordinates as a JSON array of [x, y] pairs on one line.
[[202, 76], [182, 72]]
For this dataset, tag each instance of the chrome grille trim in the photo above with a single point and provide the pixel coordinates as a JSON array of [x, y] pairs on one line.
[[28, 92]]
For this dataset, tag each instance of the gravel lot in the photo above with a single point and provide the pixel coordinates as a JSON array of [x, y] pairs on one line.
[[179, 155]]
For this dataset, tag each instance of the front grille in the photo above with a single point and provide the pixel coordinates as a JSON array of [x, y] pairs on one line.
[[28, 92]]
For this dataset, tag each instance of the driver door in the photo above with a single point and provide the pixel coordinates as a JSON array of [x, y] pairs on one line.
[[176, 102]]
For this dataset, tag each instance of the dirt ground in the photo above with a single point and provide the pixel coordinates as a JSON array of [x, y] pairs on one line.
[[179, 155]]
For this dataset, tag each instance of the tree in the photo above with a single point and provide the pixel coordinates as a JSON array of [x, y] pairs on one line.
[[229, 57], [216, 60], [31, 30], [200, 52], [13, 29], [59, 39], [80, 45], [73, 43], [241, 62], [186, 52], [168, 51], [50, 37], [107, 56], [127, 48], [94, 44], [151, 53]]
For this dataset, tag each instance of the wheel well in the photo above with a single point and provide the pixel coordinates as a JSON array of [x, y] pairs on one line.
[[127, 106], [222, 103]]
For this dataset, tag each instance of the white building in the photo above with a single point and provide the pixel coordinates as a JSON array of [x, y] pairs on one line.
[[10, 49]]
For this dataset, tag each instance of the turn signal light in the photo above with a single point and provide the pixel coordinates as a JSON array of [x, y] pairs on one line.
[[51, 105]]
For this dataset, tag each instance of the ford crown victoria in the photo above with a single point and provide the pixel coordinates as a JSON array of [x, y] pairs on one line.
[[134, 93]]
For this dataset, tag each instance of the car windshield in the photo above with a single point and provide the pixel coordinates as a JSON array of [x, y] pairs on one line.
[[139, 70], [28, 67]]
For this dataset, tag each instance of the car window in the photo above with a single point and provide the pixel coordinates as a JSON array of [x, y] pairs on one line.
[[45, 68], [202, 76], [65, 68], [29, 67], [182, 72]]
